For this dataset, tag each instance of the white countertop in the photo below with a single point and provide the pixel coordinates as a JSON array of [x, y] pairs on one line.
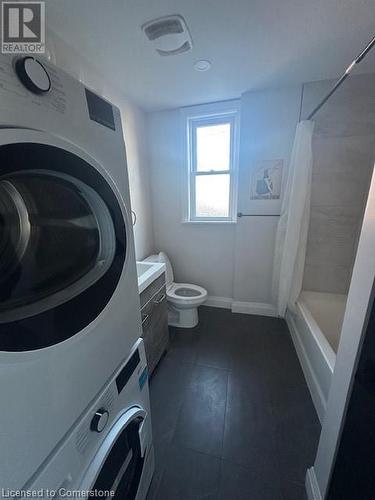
[[148, 272]]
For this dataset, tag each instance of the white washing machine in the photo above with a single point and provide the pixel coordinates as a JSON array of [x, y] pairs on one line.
[[69, 305], [109, 454]]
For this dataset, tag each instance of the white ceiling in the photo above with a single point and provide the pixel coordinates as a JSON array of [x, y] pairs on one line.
[[252, 44]]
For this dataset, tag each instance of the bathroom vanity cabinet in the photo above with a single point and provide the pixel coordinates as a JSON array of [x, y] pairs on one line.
[[155, 321]]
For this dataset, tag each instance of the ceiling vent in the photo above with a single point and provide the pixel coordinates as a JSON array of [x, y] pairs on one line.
[[169, 35]]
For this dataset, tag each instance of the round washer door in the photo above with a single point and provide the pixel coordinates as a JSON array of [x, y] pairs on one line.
[[62, 245], [119, 474]]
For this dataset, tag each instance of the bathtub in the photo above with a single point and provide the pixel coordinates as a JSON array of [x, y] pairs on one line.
[[315, 327]]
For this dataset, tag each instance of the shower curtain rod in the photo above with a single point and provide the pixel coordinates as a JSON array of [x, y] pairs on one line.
[[348, 70]]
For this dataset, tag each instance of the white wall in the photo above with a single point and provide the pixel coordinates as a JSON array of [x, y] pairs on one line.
[[229, 260], [134, 124], [200, 253], [268, 124], [133, 121]]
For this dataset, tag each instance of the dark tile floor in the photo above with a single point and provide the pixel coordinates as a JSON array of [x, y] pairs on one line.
[[232, 415]]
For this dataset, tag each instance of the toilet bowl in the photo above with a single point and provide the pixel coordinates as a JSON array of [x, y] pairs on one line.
[[183, 298]]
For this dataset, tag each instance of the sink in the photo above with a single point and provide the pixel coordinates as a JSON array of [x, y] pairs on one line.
[[143, 267], [147, 272]]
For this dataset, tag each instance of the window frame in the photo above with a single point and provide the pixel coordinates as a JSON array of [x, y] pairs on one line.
[[205, 116]]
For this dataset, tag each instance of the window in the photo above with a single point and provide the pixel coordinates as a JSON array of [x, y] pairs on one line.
[[212, 155]]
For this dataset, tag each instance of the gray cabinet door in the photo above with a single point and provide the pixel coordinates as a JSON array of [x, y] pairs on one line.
[[155, 325]]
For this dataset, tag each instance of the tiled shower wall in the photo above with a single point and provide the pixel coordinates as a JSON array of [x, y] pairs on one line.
[[344, 154]]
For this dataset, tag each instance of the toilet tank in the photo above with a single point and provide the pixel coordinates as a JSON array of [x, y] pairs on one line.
[[163, 257]]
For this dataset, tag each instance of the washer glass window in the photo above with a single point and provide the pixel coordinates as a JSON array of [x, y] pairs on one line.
[[56, 238], [122, 470], [62, 245]]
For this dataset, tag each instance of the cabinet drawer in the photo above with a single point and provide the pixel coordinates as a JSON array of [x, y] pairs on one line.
[[146, 313], [155, 286], [155, 327], [160, 338]]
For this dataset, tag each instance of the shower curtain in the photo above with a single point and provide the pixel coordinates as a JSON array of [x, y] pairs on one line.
[[291, 237]]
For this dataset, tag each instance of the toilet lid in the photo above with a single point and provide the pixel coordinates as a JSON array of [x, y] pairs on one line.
[[169, 278]]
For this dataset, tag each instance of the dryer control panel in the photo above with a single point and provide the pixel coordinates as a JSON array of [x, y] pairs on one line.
[[28, 82]]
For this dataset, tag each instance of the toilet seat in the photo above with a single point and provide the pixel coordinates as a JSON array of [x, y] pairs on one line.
[[186, 294], [183, 298]]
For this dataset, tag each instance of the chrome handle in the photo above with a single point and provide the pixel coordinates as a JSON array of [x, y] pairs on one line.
[[145, 318], [160, 299]]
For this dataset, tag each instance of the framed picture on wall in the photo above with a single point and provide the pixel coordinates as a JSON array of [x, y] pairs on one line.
[[266, 181]]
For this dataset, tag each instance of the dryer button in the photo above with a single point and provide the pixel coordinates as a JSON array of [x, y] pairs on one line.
[[33, 75], [99, 420]]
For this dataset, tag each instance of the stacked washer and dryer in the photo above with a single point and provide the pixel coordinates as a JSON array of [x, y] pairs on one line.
[[73, 376]]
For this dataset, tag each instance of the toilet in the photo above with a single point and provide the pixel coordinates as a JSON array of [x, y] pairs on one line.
[[183, 298]]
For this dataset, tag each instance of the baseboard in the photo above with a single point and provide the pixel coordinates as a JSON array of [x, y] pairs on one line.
[[222, 302], [311, 380], [312, 486], [257, 308]]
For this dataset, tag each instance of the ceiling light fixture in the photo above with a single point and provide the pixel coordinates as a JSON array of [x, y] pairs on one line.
[[202, 65]]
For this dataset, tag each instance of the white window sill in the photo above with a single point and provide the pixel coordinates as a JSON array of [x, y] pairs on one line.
[[226, 222]]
